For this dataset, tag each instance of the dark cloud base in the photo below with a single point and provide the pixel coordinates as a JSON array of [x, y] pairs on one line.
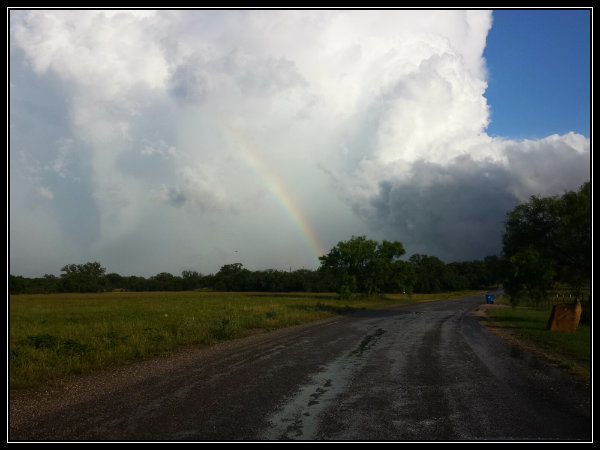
[[457, 212]]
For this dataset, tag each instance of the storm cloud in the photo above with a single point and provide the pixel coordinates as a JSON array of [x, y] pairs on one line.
[[167, 140], [457, 210]]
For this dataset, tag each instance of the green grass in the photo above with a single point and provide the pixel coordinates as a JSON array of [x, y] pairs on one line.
[[569, 350], [56, 335]]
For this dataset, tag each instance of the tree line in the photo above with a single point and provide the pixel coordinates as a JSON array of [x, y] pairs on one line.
[[422, 273], [547, 242]]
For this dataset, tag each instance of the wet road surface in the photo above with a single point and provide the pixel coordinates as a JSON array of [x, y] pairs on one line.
[[422, 372]]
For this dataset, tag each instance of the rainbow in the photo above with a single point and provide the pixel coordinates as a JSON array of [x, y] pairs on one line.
[[278, 188]]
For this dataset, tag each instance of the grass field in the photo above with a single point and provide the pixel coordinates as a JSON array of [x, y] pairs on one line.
[[56, 335], [529, 325]]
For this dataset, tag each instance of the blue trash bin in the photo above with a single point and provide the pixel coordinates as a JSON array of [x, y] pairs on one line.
[[489, 298]]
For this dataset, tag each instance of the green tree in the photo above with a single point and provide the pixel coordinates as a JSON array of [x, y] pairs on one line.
[[16, 284], [571, 240], [88, 277], [547, 240], [402, 278], [363, 265], [114, 281], [165, 281], [136, 283], [231, 277], [430, 273], [191, 280], [531, 275], [493, 270]]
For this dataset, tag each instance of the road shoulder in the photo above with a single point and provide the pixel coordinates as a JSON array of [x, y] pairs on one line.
[[580, 375]]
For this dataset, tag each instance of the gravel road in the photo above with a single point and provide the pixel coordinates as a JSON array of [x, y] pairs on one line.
[[422, 372]]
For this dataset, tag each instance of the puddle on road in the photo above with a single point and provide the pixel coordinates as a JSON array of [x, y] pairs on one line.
[[298, 419], [368, 342]]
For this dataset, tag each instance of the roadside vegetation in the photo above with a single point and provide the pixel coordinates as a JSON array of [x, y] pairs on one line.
[[547, 259], [527, 325], [56, 335]]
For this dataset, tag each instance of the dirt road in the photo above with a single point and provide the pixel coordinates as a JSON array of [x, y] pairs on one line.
[[425, 372]]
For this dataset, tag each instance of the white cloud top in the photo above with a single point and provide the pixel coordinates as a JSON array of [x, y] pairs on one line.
[[181, 139]]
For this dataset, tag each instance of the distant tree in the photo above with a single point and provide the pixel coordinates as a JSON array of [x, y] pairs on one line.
[[16, 284], [114, 281], [493, 270], [51, 283], [303, 280], [47, 284], [136, 283], [232, 277], [402, 278], [165, 281], [363, 265], [476, 274], [191, 280], [429, 273], [88, 277], [461, 275]]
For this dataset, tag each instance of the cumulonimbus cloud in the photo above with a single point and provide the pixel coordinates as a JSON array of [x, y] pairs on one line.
[[382, 112]]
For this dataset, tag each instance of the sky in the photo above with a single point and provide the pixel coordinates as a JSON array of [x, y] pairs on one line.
[[539, 61], [168, 140]]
